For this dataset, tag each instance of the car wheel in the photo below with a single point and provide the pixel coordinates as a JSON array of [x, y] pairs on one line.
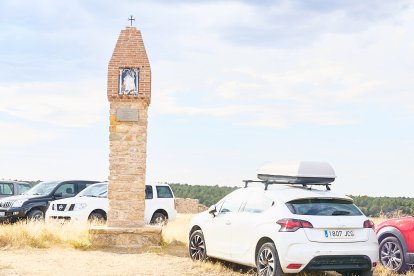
[[197, 246], [267, 261], [36, 215], [159, 218], [97, 217], [391, 255]]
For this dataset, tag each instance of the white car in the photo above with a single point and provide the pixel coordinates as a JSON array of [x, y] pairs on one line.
[[287, 228], [92, 203]]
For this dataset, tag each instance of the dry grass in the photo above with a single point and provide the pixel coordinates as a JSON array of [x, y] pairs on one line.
[[177, 230], [51, 248], [41, 235]]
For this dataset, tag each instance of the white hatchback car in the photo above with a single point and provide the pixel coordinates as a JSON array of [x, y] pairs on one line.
[[92, 203], [287, 228]]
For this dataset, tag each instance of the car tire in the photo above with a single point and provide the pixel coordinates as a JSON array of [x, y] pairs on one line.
[[159, 219], [197, 246], [391, 255], [36, 215], [97, 217], [266, 256]]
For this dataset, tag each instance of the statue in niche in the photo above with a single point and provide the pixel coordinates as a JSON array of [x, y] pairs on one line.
[[128, 81]]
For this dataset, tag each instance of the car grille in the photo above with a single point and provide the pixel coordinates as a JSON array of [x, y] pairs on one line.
[[6, 204], [357, 262], [60, 217], [60, 207]]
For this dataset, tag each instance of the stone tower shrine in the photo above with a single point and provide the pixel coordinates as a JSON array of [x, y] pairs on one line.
[[129, 95]]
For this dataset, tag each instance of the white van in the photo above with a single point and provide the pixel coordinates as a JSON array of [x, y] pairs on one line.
[[92, 204]]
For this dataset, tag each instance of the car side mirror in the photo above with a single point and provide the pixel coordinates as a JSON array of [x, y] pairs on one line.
[[58, 195], [212, 210]]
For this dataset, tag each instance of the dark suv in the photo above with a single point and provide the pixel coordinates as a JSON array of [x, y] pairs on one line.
[[10, 188], [34, 202]]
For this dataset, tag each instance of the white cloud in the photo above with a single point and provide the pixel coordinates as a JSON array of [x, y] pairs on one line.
[[14, 134], [61, 104], [258, 115], [318, 82]]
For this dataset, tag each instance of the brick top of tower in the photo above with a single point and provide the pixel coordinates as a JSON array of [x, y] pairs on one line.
[[129, 52]]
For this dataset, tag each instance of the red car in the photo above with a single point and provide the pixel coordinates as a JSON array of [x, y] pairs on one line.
[[396, 243]]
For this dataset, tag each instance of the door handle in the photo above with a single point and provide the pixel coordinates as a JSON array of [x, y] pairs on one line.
[[228, 222]]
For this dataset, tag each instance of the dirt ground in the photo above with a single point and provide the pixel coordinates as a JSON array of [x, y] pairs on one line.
[[61, 261], [38, 249], [18, 257]]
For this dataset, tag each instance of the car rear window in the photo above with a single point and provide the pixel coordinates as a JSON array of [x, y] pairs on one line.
[[164, 192], [148, 192], [323, 207]]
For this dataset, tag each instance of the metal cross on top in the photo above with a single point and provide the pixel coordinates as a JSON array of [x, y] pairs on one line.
[[131, 18]]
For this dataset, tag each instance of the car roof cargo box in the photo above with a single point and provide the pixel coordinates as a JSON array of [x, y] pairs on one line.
[[304, 172]]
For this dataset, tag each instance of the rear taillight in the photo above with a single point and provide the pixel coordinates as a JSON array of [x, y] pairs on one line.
[[175, 204], [369, 224], [291, 225]]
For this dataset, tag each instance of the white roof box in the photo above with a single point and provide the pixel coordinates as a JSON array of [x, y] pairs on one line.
[[304, 172]]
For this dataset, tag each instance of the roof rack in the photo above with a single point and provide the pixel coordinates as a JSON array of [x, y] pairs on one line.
[[270, 182]]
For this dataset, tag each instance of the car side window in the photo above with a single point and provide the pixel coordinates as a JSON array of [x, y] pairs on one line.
[[23, 188], [164, 192], [67, 190], [232, 202], [257, 203], [148, 192], [82, 186], [6, 189]]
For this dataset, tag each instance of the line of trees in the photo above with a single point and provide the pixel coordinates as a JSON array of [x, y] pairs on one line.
[[206, 195], [385, 206], [371, 206]]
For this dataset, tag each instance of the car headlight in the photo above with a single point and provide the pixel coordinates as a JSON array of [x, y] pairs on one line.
[[18, 203], [79, 206]]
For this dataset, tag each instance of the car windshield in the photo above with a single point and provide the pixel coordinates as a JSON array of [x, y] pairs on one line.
[[96, 190], [43, 188], [323, 207]]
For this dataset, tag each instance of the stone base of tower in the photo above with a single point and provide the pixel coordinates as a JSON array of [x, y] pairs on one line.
[[123, 237]]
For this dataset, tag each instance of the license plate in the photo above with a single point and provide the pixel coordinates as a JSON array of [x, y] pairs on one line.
[[2, 214], [339, 234]]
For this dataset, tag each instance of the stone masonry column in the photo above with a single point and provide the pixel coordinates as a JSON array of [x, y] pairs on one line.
[[129, 95]]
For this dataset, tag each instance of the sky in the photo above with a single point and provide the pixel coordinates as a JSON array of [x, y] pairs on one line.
[[235, 84]]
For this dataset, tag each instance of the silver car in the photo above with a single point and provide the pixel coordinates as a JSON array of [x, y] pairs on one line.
[[11, 188]]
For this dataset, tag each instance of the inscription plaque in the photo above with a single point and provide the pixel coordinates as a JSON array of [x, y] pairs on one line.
[[127, 115]]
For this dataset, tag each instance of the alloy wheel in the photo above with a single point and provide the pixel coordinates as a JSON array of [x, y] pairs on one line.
[[266, 263], [197, 247], [391, 255], [38, 217], [159, 220]]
